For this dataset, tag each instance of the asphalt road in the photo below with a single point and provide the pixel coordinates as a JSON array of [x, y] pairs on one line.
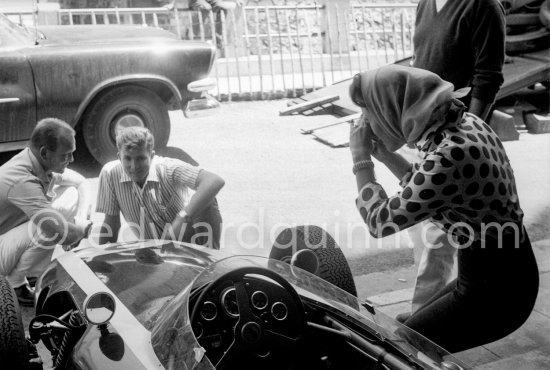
[[276, 178]]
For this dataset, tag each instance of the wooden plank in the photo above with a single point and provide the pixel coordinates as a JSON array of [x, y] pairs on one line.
[[336, 136], [537, 124], [300, 107], [521, 73], [525, 70], [335, 123]]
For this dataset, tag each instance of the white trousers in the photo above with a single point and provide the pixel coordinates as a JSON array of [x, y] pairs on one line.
[[436, 260], [433, 253], [20, 252]]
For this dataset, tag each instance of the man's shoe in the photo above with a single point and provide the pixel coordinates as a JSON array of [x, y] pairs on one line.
[[402, 317], [200, 5], [25, 295], [218, 5]]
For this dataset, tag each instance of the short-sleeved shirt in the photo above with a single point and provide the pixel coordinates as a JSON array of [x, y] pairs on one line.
[[24, 189], [464, 184], [148, 209]]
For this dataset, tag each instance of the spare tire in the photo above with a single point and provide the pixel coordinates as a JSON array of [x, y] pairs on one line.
[[13, 345], [529, 41], [544, 14], [523, 19], [333, 266]]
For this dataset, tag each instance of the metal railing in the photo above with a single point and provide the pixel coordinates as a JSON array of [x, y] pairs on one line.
[[278, 51], [23, 18], [154, 17]]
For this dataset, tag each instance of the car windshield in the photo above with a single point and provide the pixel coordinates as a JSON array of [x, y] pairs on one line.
[[177, 347], [13, 34]]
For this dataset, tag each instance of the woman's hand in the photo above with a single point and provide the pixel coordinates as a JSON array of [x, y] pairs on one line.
[[361, 140]]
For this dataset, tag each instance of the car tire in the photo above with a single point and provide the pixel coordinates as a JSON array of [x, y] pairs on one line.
[[544, 14], [333, 266], [528, 41], [13, 345], [127, 106]]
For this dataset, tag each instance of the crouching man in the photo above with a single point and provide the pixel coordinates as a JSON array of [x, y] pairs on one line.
[[153, 194], [42, 203]]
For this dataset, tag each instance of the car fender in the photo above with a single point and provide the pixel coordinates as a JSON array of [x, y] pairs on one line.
[[122, 80]]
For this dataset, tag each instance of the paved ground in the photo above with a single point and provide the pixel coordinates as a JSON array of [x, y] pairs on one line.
[[277, 177], [528, 348]]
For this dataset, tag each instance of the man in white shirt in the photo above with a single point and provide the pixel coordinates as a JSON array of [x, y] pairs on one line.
[[153, 194]]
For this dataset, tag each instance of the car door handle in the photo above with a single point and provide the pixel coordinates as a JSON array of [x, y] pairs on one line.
[[8, 100]]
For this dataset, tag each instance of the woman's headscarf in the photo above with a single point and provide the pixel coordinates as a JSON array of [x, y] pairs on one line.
[[402, 102]]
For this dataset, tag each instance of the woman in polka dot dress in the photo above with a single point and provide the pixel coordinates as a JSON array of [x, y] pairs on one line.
[[464, 184]]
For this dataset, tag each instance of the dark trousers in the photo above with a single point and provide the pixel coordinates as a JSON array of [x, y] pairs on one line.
[[199, 233], [206, 227], [493, 295]]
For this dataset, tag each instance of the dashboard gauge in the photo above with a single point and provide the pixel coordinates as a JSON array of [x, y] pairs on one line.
[[279, 311], [229, 302], [209, 311], [197, 330], [259, 300]]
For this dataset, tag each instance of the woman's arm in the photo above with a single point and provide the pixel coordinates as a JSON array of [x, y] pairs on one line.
[[395, 162], [427, 193]]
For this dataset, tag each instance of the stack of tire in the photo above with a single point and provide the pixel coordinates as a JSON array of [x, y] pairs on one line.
[[527, 25]]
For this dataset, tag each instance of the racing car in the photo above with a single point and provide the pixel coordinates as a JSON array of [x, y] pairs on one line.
[[170, 305]]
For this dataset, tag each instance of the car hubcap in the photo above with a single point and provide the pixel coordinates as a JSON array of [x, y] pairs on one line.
[[126, 120]]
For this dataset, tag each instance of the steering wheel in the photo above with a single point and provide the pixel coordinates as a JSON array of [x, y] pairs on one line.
[[260, 335]]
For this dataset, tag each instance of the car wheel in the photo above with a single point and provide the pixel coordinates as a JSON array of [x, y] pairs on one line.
[[13, 345], [333, 266], [123, 107], [528, 41], [544, 14]]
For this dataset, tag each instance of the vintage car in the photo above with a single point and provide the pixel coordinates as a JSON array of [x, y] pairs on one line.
[[98, 79], [168, 305]]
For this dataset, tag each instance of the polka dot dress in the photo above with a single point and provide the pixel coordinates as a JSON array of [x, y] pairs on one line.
[[464, 184]]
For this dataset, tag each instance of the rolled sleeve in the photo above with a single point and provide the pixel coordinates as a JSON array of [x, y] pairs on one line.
[[186, 174], [427, 192], [107, 202]]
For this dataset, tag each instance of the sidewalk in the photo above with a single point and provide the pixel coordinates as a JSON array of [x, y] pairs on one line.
[[528, 348]]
